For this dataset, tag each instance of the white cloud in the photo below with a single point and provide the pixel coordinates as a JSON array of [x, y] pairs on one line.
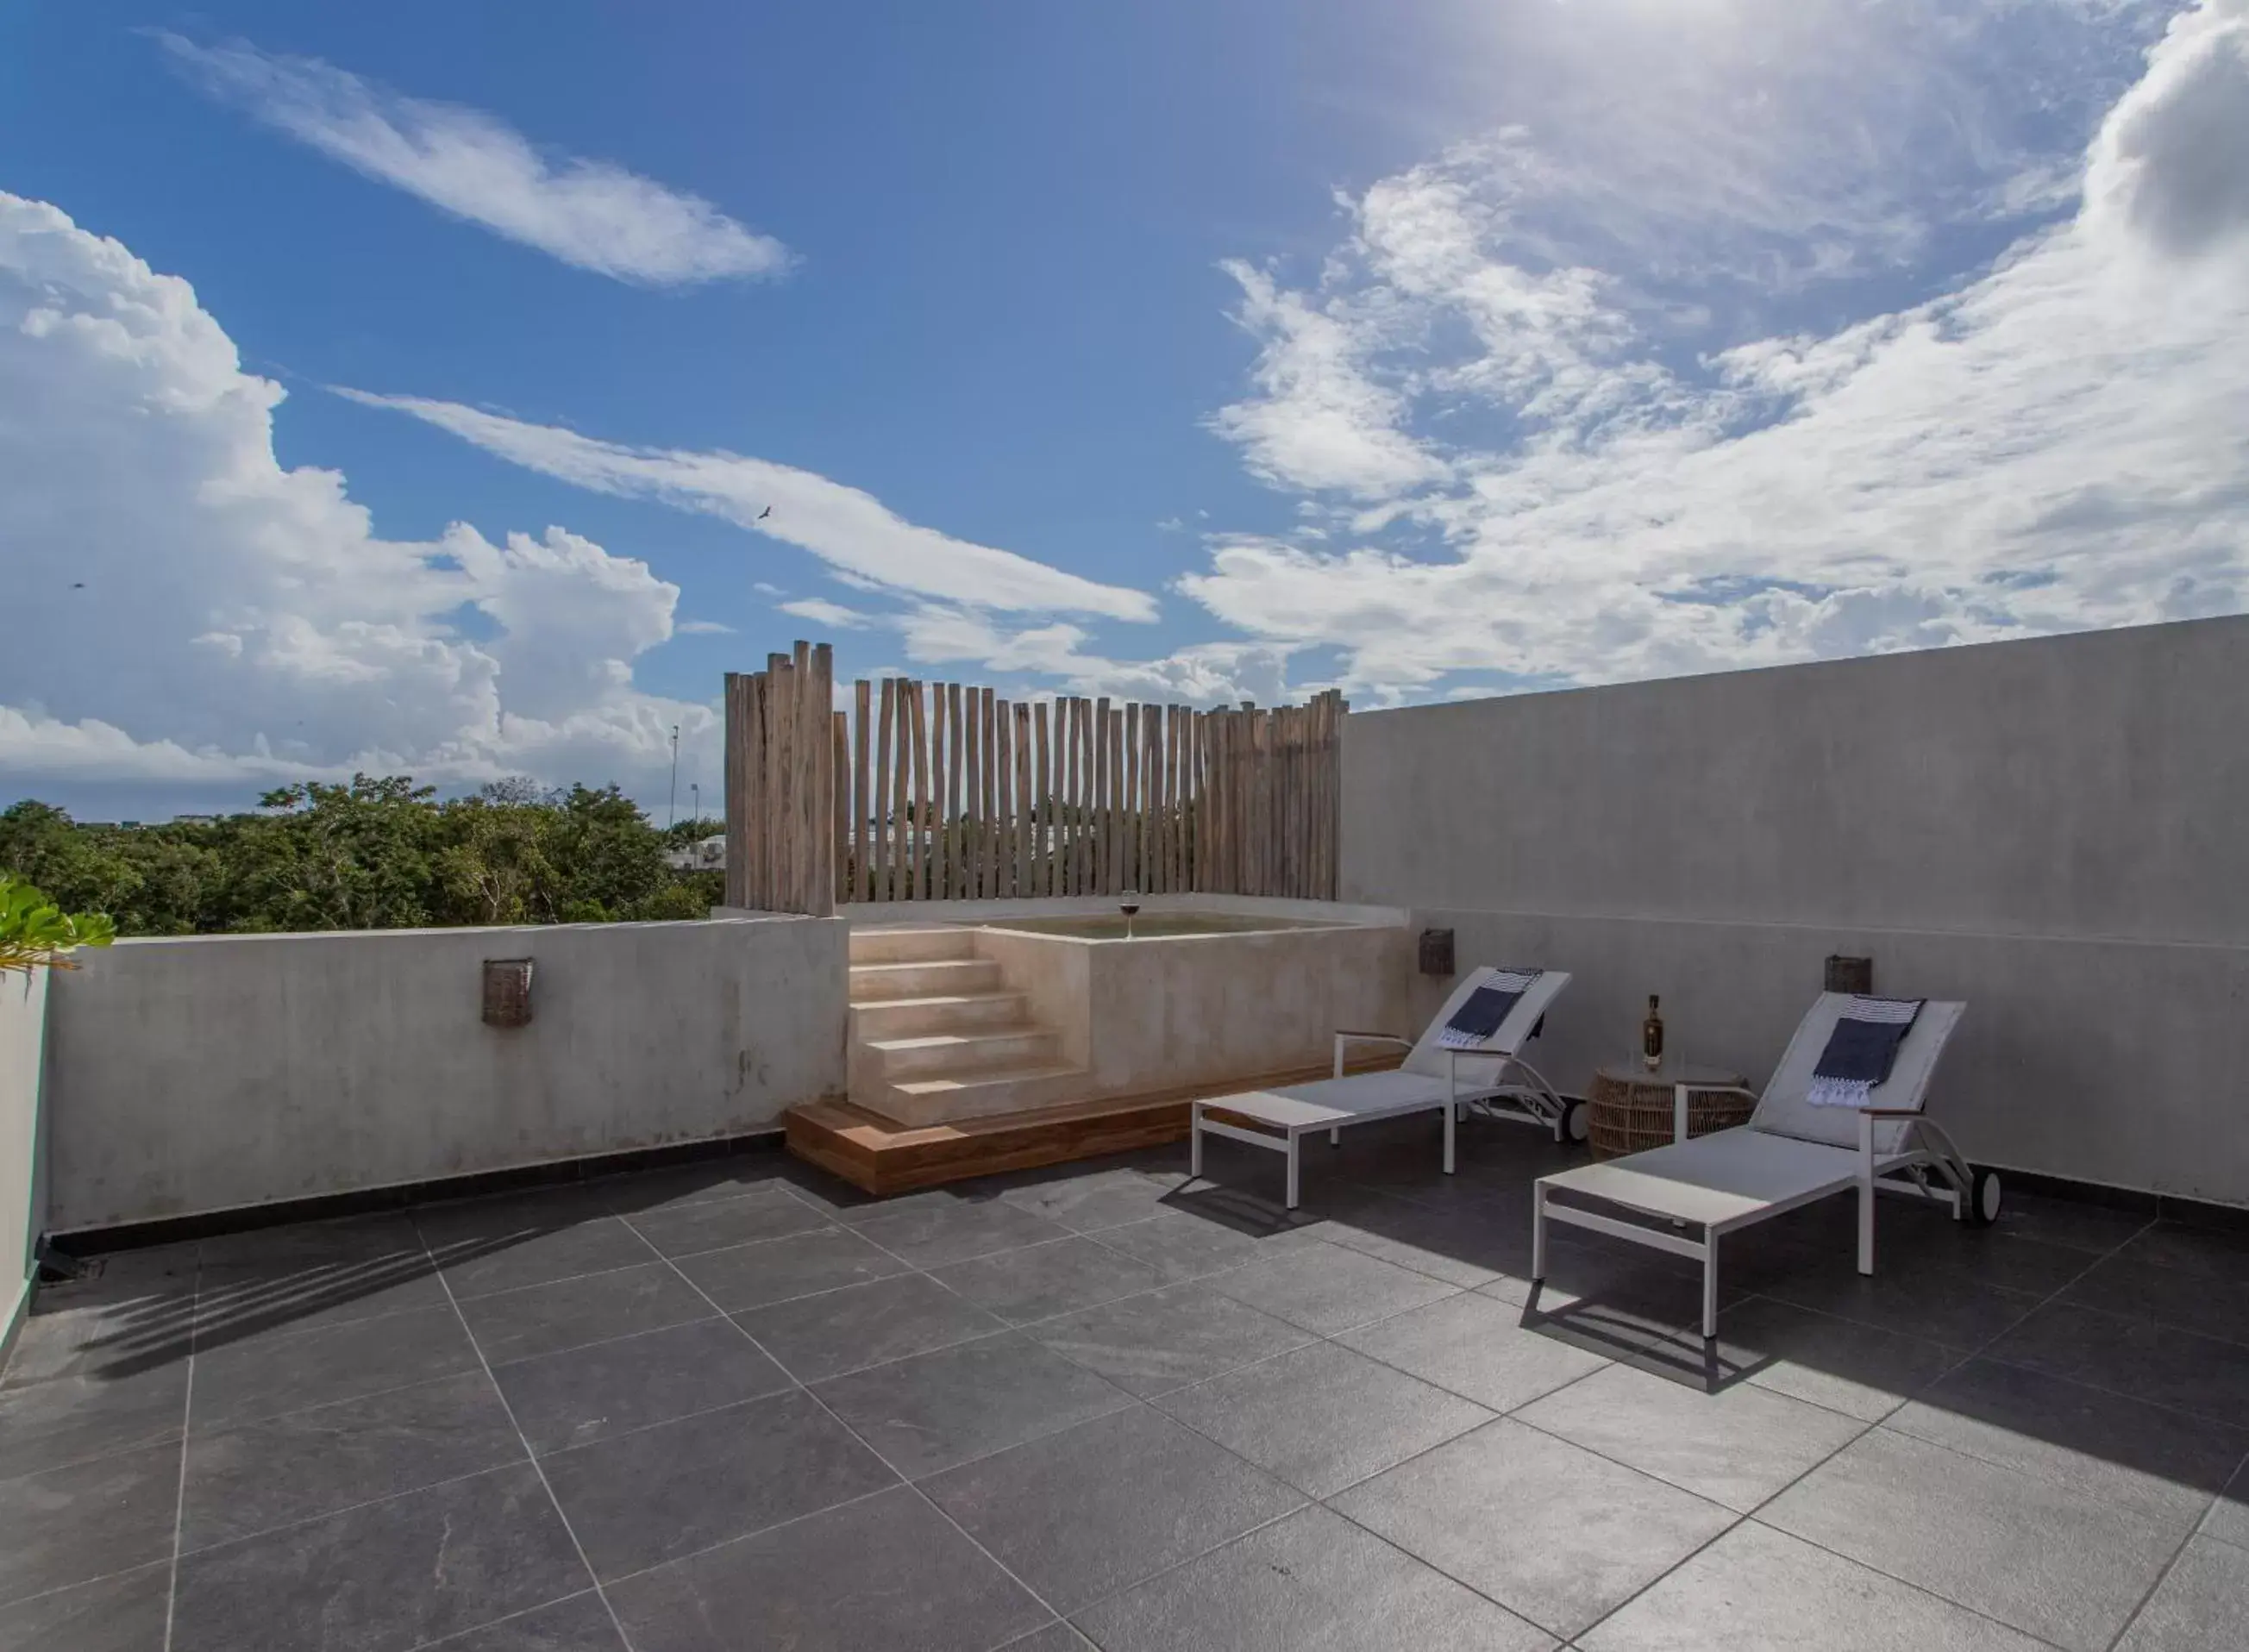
[[185, 607], [1621, 485], [592, 214], [703, 628], [821, 611], [852, 531]]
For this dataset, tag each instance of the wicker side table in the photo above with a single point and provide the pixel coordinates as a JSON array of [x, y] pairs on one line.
[[1632, 1108]]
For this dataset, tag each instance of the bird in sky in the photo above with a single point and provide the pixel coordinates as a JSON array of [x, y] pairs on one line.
[[764, 512]]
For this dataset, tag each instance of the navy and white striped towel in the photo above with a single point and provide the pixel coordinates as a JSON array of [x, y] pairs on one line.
[[1861, 1050], [1485, 1010]]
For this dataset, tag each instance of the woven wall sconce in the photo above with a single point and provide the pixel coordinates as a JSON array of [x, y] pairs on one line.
[[507, 991], [1436, 951]]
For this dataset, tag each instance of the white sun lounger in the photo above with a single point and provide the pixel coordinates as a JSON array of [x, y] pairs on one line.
[[1493, 1079], [1790, 1153]]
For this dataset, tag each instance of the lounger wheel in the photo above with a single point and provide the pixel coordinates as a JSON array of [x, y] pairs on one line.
[[1984, 1197], [1575, 1123]]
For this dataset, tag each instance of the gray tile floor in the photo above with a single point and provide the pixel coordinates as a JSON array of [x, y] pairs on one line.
[[738, 1406]]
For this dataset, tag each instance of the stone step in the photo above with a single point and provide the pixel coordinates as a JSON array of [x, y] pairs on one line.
[[911, 945], [936, 1101], [952, 1012], [968, 1055], [943, 977]]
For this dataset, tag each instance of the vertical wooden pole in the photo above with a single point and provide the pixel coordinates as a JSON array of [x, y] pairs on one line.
[[818, 733], [737, 796], [1003, 798], [1026, 799], [1105, 802], [956, 885], [839, 809], [1134, 873], [1043, 864], [861, 800], [940, 826], [972, 830], [774, 864], [901, 802], [880, 865], [1066, 729], [919, 740]]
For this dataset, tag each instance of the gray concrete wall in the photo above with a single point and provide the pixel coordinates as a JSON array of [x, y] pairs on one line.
[[2056, 830], [23, 1194], [206, 1074]]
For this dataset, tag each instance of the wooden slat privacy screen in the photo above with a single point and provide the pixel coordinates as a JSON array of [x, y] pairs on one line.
[[946, 791]]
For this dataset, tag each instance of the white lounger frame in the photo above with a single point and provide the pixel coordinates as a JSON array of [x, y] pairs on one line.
[[1285, 1117], [1902, 1169]]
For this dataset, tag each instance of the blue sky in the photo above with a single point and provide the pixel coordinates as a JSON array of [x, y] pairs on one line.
[[1175, 350]]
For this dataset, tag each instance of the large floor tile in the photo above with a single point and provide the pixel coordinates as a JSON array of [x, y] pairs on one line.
[[1056, 1637], [125, 1614], [522, 1213], [2209, 1303], [952, 1230], [1549, 1530], [1938, 1305], [936, 1410], [2210, 1252], [346, 1239], [775, 1269], [516, 1324], [768, 1212], [1040, 1281], [278, 1470], [669, 1490], [1466, 1247], [261, 1376], [1737, 1447], [1180, 1245], [1326, 1289], [2122, 1452], [584, 1395], [1607, 1298], [1859, 1370], [1323, 1416], [2075, 1222], [1758, 1590], [44, 1425], [391, 1574], [887, 1572], [840, 1331], [2228, 1518], [581, 1623], [481, 1265], [1151, 1344], [87, 1520], [2020, 1548], [1311, 1582], [1475, 1347], [70, 1334], [2146, 1359], [1082, 1513], [2201, 1605], [1086, 1202], [702, 1181], [246, 1303]]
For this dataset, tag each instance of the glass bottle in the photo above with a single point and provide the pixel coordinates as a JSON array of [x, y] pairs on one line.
[[1651, 1037]]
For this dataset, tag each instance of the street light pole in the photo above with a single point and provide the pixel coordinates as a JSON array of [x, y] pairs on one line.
[[695, 802], [672, 811]]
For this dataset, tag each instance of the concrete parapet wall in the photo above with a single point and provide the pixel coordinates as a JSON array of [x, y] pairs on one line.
[[2056, 831], [210, 1073]]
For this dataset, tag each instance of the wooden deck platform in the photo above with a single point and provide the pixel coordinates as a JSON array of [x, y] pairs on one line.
[[877, 1156]]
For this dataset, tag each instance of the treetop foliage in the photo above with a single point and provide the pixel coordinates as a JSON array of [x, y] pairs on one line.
[[378, 853]]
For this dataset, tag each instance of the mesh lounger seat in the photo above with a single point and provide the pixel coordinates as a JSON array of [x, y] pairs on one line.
[[1493, 1079], [1790, 1153]]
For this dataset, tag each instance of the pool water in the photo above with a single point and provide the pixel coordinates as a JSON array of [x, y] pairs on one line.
[[1151, 926]]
